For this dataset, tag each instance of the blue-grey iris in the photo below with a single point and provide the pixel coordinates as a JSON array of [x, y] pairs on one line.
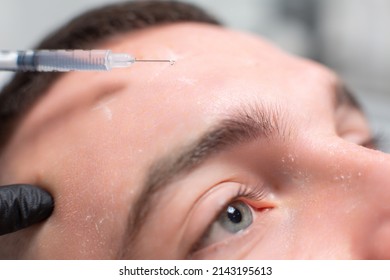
[[236, 217]]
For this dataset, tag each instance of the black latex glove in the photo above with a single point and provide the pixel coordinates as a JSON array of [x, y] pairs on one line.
[[22, 206]]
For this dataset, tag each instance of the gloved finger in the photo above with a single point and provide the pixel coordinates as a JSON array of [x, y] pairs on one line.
[[23, 205]]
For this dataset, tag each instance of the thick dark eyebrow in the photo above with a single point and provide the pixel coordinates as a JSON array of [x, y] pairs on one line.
[[345, 97], [246, 124]]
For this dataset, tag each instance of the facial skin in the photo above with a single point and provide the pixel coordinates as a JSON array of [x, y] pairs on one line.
[[310, 190]]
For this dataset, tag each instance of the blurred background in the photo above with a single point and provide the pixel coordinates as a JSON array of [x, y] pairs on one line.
[[350, 36]]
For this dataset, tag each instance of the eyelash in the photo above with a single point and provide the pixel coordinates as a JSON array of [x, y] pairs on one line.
[[375, 142], [256, 192]]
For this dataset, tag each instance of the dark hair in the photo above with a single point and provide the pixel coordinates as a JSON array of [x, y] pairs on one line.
[[85, 32]]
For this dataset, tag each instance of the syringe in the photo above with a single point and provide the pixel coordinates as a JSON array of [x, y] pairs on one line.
[[67, 60]]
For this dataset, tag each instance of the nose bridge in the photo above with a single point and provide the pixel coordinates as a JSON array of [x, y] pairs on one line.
[[375, 188], [345, 161], [372, 170], [374, 183], [362, 177], [363, 171]]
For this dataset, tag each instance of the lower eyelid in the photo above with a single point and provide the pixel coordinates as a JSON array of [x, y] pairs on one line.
[[200, 254], [355, 136], [240, 237]]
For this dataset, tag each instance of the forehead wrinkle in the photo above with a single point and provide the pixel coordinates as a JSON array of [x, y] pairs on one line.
[[246, 123]]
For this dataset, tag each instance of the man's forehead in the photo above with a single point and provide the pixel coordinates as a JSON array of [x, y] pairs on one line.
[[169, 102], [200, 84], [208, 74], [185, 41]]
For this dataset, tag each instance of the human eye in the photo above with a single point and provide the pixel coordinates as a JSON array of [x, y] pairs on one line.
[[365, 139], [373, 142], [234, 218], [354, 127]]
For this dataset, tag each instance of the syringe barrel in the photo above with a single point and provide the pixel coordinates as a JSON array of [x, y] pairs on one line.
[[63, 60]]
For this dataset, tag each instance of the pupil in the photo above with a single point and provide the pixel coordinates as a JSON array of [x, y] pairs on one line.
[[234, 214]]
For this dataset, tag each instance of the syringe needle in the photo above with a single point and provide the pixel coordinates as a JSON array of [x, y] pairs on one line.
[[155, 60]]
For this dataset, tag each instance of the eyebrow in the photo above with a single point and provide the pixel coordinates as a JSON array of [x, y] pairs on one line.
[[248, 123], [345, 97]]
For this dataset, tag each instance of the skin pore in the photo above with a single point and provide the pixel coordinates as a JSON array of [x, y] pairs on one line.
[[304, 183]]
